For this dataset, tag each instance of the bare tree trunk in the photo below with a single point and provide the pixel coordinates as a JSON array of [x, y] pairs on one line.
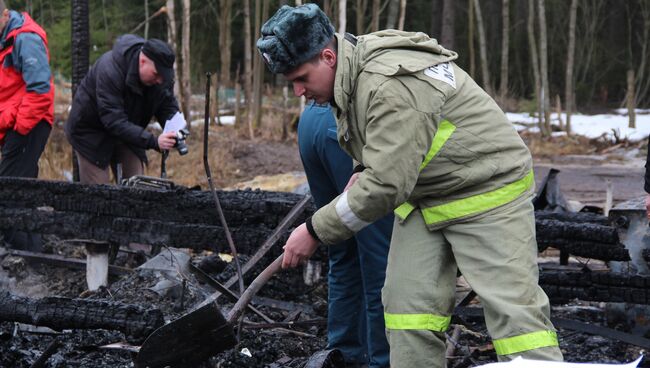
[[171, 39], [470, 40], [225, 40], [104, 19], [51, 8], [214, 100], [361, 10], [447, 33], [257, 90], [80, 44], [374, 23], [558, 111], [532, 43], [642, 82], [342, 16], [217, 87], [543, 64], [631, 98], [186, 91], [327, 8], [146, 17], [482, 48], [237, 99], [505, 48], [435, 29], [591, 21], [248, 72], [570, 59], [393, 9], [285, 112], [402, 15], [80, 41], [261, 10]]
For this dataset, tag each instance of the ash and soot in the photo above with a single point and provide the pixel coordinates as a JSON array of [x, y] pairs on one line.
[[51, 320]]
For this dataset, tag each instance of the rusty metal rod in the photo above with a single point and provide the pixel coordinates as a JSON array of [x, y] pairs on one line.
[[222, 218]]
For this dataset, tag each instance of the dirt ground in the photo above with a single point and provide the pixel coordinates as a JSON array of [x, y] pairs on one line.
[[585, 165]]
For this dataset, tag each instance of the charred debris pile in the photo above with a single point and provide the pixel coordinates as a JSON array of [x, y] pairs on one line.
[[169, 254]]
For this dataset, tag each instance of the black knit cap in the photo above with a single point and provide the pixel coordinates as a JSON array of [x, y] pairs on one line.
[[293, 36], [163, 57]]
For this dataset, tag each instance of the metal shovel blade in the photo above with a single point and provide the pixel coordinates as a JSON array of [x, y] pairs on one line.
[[188, 340], [332, 358]]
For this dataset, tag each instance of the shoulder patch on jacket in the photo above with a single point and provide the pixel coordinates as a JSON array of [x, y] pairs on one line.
[[443, 72]]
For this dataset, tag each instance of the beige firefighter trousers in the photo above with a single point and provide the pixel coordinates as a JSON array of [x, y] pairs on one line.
[[497, 254]]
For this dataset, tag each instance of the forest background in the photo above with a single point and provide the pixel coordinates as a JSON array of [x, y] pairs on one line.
[[507, 46], [537, 56]]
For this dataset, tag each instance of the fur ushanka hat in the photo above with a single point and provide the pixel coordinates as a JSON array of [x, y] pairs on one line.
[[293, 36]]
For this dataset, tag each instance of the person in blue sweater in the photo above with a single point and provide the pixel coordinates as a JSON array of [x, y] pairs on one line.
[[357, 267]]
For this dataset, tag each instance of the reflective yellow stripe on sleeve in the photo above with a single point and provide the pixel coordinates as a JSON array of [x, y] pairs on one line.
[[525, 342], [424, 321], [404, 210], [445, 129], [478, 203]]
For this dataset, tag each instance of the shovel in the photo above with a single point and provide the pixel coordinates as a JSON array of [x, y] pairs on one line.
[[200, 334]]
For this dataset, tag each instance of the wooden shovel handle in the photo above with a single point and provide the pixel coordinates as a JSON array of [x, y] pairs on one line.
[[253, 288]]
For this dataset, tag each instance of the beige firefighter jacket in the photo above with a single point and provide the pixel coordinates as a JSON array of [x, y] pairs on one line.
[[429, 137]]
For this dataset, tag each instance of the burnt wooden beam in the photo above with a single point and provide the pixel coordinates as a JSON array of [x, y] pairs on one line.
[[122, 230], [561, 286], [554, 229], [64, 313], [241, 207], [177, 217], [576, 217], [57, 260], [605, 252], [181, 217]]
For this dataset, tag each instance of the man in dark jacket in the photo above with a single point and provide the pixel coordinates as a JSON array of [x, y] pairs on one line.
[[115, 102]]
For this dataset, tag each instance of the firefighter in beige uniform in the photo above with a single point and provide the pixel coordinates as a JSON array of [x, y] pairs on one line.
[[436, 149]]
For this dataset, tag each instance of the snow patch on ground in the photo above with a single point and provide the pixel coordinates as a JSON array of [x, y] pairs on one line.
[[593, 126]]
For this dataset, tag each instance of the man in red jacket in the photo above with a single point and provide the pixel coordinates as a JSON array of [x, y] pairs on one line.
[[26, 93], [26, 103]]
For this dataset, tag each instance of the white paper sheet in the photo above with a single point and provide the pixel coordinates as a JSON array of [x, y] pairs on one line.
[[176, 123], [524, 363]]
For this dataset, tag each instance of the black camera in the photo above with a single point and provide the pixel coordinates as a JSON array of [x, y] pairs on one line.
[[180, 141]]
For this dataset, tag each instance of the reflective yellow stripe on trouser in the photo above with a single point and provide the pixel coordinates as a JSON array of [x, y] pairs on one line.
[[423, 321], [525, 342]]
